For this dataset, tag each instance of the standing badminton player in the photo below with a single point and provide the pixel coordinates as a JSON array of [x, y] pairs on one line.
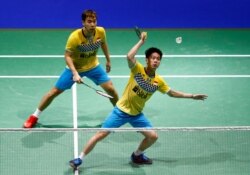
[[142, 84], [81, 60]]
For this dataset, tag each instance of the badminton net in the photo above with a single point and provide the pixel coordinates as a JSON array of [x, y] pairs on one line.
[[192, 150]]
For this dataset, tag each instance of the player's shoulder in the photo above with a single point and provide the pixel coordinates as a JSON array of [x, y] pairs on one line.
[[159, 78], [76, 31], [100, 29], [138, 64], [137, 67]]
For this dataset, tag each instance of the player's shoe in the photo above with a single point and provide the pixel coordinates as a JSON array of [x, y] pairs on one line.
[[30, 122], [75, 163], [140, 159]]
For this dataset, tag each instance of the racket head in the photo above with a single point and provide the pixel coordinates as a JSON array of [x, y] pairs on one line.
[[137, 31], [103, 94]]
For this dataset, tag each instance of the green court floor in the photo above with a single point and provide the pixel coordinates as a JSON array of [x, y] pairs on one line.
[[214, 62]]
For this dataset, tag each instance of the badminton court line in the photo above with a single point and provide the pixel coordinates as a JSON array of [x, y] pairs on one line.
[[75, 116], [139, 56], [127, 76], [75, 122]]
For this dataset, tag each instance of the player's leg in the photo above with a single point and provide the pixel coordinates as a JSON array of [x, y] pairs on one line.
[[150, 137], [48, 98], [138, 156], [63, 83], [109, 88], [93, 141], [75, 163], [114, 120], [100, 77], [44, 103]]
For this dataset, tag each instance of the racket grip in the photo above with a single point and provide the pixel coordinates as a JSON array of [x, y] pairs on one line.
[[138, 31]]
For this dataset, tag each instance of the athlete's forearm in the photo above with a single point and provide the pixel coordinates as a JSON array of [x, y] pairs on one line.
[[106, 52], [131, 54], [178, 94], [70, 63]]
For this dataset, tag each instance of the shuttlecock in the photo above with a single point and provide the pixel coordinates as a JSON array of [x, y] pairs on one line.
[[178, 40]]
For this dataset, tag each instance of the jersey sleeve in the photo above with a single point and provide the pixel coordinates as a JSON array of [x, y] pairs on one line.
[[163, 86], [101, 34], [136, 68], [71, 43]]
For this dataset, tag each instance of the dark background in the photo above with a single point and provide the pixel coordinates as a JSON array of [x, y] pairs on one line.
[[126, 13]]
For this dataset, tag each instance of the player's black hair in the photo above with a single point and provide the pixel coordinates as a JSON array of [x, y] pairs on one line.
[[88, 13], [151, 50]]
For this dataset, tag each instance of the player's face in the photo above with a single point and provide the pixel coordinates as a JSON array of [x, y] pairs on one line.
[[154, 61], [90, 24]]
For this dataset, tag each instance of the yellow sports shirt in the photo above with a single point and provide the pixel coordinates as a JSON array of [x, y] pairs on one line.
[[139, 89], [84, 51]]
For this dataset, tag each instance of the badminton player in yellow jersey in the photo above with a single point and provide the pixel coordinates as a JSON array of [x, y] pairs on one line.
[[143, 82], [81, 61]]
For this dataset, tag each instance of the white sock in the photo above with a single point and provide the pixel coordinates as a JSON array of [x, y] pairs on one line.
[[37, 113], [81, 156], [138, 152]]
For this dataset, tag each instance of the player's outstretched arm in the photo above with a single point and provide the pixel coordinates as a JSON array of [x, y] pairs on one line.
[[178, 94]]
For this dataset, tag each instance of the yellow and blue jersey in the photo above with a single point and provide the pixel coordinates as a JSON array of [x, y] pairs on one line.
[[84, 50], [139, 89]]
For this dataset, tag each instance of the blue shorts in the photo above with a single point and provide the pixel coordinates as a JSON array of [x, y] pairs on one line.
[[97, 75], [118, 118]]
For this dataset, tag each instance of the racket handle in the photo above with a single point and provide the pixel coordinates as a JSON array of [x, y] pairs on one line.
[[138, 32]]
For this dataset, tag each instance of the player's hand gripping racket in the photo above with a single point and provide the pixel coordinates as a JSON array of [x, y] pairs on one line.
[[98, 91], [137, 31]]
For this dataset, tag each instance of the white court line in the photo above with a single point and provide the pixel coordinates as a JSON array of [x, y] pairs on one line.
[[138, 56], [74, 100], [28, 76], [75, 122], [127, 76], [191, 76]]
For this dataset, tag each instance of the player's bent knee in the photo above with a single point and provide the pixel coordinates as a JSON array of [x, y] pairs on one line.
[[108, 86], [153, 136]]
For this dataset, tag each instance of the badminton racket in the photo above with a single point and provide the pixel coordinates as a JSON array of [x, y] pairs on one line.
[[137, 31], [97, 91]]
